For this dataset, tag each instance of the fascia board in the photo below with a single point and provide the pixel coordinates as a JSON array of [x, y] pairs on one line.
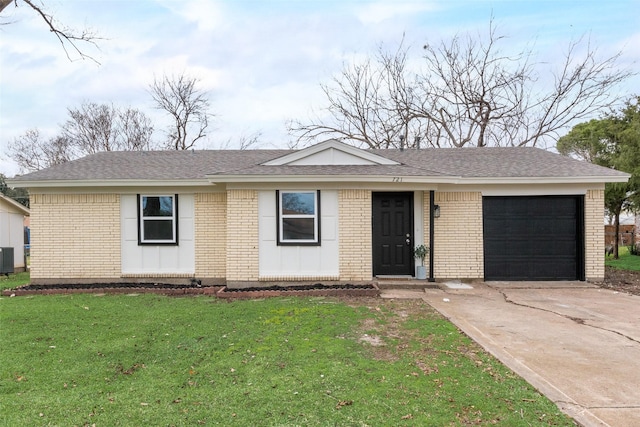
[[214, 179], [416, 179], [16, 205], [542, 180], [108, 183], [325, 178]]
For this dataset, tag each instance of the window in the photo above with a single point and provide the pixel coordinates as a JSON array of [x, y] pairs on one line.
[[298, 217], [158, 220]]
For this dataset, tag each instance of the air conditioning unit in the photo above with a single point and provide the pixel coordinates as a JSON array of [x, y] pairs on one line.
[[6, 261]]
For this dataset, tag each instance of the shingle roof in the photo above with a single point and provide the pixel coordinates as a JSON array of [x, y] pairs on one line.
[[498, 162]]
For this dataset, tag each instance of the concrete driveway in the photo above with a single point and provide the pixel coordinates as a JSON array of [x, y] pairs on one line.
[[576, 343]]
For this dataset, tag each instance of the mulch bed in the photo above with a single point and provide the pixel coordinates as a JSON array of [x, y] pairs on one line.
[[113, 288], [622, 281], [617, 280], [318, 289]]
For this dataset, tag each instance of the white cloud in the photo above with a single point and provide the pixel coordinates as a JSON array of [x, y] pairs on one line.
[[208, 15], [380, 11]]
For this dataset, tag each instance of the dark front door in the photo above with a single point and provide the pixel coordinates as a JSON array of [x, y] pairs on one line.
[[533, 238], [392, 234]]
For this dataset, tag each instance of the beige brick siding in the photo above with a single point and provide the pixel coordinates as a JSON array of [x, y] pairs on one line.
[[425, 225], [458, 251], [211, 234], [354, 208], [242, 235], [75, 236], [594, 234]]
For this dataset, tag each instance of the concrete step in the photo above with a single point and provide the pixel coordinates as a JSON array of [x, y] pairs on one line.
[[406, 284]]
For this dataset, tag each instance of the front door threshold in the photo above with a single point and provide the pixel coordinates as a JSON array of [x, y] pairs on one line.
[[394, 276]]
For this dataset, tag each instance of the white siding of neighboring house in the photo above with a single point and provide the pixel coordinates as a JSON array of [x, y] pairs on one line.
[[158, 259], [12, 233], [298, 262]]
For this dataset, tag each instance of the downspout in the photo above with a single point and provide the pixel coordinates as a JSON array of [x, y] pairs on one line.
[[431, 228]]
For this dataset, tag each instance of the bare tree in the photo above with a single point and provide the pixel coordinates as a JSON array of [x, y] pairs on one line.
[[466, 92], [244, 142], [31, 152], [188, 107], [69, 38], [471, 91], [135, 129], [91, 128], [369, 104]]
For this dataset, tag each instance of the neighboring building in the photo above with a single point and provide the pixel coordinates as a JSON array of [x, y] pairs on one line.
[[330, 212], [12, 217], [628, 232]]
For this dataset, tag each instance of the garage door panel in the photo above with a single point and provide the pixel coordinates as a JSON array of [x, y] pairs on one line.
[[564, 227], [541, 226], [533, 238], [525, 269]]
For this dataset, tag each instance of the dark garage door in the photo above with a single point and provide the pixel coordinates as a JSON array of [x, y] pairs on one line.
[[533, 238]]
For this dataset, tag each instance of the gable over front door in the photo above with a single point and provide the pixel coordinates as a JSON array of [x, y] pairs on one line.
[[392, 234]]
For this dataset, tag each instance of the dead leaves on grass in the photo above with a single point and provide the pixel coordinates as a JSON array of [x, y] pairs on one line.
[[343, 403], [120, 369]]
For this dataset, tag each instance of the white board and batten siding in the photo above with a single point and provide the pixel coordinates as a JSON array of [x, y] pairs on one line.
[[12, 235], [158, 259], [299, 262]]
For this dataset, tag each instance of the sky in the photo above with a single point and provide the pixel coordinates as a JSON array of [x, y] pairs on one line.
[[261, 62]]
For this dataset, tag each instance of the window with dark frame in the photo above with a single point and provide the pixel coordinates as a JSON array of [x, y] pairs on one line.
[[298, 218], [158, 220]]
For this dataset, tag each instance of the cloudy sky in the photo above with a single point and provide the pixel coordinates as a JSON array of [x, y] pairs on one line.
[[261, 61]]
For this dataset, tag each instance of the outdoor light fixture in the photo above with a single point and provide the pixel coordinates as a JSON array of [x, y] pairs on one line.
[[436, 211]]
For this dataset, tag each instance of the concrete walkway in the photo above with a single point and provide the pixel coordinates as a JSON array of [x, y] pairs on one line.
[[576, 343]]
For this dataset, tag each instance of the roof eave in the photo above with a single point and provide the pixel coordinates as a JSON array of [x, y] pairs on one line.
[[67, 183], [25, 210], [542, 180], [215, 179], [416, 179]]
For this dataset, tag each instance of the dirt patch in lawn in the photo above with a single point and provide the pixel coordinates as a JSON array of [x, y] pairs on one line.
[[384, 334], [621, 280]]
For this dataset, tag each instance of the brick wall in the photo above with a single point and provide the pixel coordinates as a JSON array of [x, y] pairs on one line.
[[594, 235], [425, 226], [75, 236], [458, 251], [354, 209], [242, 262], [211, 235]]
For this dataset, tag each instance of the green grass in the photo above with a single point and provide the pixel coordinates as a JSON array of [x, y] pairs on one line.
[[13, 280], [625, 260], [153, 360]]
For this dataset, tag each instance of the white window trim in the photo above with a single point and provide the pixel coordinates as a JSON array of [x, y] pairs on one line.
[[174, 218], [316, 217]]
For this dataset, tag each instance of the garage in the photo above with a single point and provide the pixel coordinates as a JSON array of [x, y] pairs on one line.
[[533, 237]]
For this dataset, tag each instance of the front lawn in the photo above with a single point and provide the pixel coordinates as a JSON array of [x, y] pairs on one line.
[[155, 360], [13, 280], [625, 260]]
